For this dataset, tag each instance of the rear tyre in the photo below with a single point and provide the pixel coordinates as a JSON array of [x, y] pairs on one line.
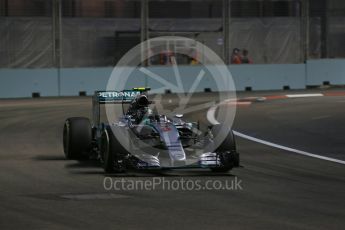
[[226, 151], [77, 138], [112, 152]]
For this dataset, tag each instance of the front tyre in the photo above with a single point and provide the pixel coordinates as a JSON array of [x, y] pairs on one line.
[[226, 151], [227, 160], [112, 152], [77, 138]]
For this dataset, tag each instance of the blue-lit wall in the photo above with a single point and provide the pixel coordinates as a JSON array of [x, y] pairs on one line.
[[23, 82]]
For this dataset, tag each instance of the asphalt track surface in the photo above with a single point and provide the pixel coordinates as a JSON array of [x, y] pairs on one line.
[[39, 189]]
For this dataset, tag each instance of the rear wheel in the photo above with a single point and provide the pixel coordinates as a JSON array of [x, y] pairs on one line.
[[77, 138]]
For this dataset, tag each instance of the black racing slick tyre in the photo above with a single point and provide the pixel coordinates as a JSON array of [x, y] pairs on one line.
[[112, 152], [77, 138], [226, 151]]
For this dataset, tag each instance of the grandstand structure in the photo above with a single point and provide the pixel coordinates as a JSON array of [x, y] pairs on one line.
[[86, 33], [60, 38]]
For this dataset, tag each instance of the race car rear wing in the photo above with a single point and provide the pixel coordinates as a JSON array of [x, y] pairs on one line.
[[114, 97]]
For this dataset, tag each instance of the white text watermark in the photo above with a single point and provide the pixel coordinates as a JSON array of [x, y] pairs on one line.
[[163, 183]]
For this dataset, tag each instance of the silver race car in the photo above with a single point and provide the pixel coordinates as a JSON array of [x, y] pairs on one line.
[[141, 138]]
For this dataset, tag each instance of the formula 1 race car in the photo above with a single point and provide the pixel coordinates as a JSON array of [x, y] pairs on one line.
[[143, 139]]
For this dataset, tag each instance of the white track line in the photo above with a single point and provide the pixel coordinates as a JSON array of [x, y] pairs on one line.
[[287, 148], [211, 118], [239, 103], [305, 95]]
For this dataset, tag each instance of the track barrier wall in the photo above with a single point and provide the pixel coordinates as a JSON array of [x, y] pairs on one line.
[[326, 70], [16, 83]]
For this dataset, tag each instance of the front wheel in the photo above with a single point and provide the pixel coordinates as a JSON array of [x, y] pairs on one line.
[[226, 151], [227, 161], [112, 152]]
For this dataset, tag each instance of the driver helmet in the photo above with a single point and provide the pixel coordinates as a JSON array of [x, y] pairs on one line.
[[142, 101]]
